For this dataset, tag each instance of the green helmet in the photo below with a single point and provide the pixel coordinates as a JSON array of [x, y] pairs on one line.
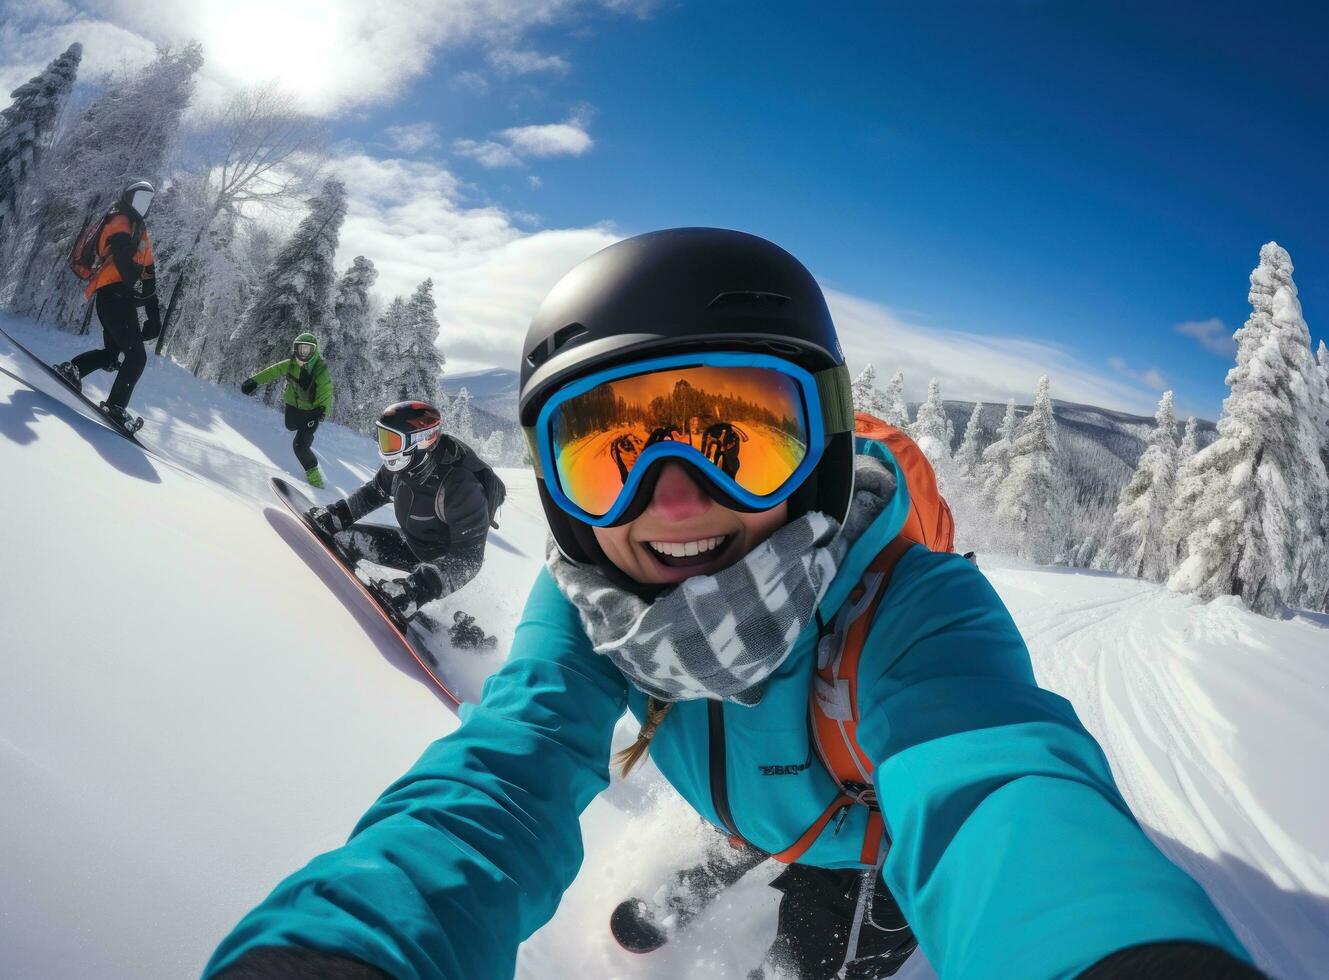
[[304, 347]]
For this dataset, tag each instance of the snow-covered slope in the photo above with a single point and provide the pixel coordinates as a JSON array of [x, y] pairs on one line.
[[188, 710]]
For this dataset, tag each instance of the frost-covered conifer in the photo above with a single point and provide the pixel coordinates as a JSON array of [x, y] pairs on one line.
[[412, 365], [1136, 544], [27, 128], [346, 346], [1249, 506], [1190, 442], [457, 418], [296, 292], [864, 392], [127, 132], [1031, 497], [997, 457], [931, 429], [894, 411], [968, 455]]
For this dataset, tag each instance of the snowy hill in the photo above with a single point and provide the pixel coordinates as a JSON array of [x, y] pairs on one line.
[[189, 710]]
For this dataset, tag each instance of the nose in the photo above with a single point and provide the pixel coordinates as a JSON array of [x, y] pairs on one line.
[[677, 496]]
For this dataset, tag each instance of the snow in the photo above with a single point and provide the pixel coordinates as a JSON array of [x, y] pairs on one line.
[[188, 711]]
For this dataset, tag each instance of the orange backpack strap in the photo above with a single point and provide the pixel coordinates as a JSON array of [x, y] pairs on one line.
[[833, 706]]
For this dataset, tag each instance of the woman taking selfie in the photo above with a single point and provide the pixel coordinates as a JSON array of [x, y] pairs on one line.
[[779, 617]]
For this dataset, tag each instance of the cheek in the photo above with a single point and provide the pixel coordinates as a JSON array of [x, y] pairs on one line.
[[616, 546], [759, 527]]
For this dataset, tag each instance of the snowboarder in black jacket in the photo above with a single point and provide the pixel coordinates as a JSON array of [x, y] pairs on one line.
[[445, 499]]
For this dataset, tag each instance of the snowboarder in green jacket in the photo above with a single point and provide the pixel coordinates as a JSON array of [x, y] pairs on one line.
[[308, 398]]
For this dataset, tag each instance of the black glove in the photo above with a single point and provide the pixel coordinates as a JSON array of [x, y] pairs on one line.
[[330, 520], [248, 386], [152, 328], [320, 413]]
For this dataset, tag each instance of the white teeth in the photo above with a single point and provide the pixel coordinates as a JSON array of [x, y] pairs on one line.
[[686, 549]]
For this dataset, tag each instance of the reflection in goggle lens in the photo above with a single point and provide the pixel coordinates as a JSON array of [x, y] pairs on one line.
[[747, 422], [389, 442]]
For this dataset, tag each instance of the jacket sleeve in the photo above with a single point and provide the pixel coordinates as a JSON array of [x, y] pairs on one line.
[[371, 496], [1012, 850], [468, 853], [323, 389], [461, 504], [272, 372]]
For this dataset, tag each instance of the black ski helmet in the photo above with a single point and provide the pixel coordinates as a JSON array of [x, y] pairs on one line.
[[417, 427], [678, 290], [137, 197]]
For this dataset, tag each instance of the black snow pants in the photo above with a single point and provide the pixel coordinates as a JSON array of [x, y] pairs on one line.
[[817, 914], [298, 420], [122, 343], [387, 546]]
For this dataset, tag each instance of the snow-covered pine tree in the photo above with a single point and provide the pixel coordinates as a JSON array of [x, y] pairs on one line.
[[1250, 505], [894, 410], [1137, 545], [996, 463], [1190, 442], [968, 455], [1031, 498], [457, 417], [864, 392], [27, 128], [347, 346], [385, 351], [416, 367], [931, 429], [127, 132], [295, 294]]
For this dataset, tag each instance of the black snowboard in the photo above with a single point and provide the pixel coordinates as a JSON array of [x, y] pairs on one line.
[[111, 423], [298, 504]]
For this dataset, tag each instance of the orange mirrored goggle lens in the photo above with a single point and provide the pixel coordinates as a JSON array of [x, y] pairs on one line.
[[390, 443], [747, 422]]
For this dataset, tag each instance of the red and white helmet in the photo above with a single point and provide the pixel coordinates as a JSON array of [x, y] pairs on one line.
[[406, 432]]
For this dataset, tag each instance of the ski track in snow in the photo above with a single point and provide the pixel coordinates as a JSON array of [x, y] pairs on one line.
[[157, 796]]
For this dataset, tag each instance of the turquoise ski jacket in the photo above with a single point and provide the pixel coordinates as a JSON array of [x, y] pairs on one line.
[[1013, 853]]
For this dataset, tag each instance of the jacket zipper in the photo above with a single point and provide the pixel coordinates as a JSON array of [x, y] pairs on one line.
[[719, 767]]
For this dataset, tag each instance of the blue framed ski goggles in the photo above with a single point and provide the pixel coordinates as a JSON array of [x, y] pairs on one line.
[[753, 425]]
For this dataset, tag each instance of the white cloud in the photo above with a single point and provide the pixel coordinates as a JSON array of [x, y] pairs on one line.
[[1213, 335], [535, 182], [487, 153], [553, 140], [489, 273], [414, 137], [513, 62], [1148, 376], [556, 139], [332, 54], [973, 366], [32, 35]]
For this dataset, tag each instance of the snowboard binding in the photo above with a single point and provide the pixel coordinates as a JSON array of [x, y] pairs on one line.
[[120, 418]]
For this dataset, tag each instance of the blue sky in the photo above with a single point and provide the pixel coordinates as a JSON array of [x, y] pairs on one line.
[[988, 184]]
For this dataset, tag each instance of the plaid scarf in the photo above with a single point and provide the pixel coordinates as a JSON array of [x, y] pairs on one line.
[[720, 636]]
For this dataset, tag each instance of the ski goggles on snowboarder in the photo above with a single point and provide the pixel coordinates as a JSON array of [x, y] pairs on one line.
[[304, 351], [393, 444], [752, 425]]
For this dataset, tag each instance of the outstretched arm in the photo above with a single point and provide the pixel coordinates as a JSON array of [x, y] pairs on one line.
[[468, 853], [1013, 853], [271, 373]]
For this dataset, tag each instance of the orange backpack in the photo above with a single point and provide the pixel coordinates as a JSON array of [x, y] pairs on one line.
[[86, 258], [833, 704]]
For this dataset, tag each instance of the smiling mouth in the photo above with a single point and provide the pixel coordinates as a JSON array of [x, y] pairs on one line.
[[684, 554]]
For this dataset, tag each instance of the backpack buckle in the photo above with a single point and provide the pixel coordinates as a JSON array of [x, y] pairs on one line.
[[861, 793]]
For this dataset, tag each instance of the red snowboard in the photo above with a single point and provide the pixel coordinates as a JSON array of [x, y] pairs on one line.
[[298, 504]]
